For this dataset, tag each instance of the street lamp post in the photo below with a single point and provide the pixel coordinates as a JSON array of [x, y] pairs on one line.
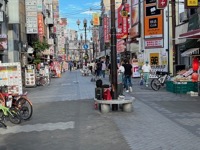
[[81, 61], [85, 28], [86, 50]]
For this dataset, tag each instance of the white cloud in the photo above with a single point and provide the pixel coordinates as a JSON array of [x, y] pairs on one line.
[[94, 4], [88, 12]]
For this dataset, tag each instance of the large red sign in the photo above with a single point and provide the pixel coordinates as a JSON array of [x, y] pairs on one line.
[[122, 21], [106, 29], [40, 25]]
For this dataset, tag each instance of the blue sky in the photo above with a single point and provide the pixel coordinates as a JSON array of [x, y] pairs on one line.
[[78, 9]]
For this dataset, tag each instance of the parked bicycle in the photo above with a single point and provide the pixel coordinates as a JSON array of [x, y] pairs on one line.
[[23, 104], [18, 101], [158, 82], [2, 125], [11, 113], [42, 80]]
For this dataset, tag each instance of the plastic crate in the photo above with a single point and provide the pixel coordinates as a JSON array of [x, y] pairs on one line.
[[185, 87], [192, 86], [170, 86]]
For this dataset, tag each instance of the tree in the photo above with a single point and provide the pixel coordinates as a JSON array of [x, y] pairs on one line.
[[38, 48]]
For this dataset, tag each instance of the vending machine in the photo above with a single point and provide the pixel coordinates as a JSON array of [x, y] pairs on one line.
[[30, 76]]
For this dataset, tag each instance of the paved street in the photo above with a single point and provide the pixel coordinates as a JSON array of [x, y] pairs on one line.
[[64, 118]]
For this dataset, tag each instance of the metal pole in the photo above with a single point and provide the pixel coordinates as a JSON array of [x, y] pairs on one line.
[[86, 51], [168, 51], [113, 52], [173, 27], [93, 49], [96, 48]]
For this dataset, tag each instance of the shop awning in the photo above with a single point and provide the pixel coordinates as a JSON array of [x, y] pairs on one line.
[[194, 34], [190, 52], [103, 53]]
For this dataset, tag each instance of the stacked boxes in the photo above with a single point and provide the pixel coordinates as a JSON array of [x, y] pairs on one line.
[[181, 87]]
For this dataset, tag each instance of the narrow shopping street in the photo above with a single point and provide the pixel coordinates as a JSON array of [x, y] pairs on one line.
[[64, 118]]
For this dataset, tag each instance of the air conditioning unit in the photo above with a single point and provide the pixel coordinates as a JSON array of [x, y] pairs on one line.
[[183, 16]]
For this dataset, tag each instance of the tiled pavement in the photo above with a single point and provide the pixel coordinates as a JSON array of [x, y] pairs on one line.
[[160, 120]]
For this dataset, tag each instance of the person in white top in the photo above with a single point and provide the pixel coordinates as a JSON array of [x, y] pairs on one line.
[[103, 69], [146, 69], [121, 69]]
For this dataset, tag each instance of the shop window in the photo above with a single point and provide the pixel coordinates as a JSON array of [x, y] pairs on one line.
[[193, 11]]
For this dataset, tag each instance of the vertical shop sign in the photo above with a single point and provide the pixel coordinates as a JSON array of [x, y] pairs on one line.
[[40, 25], [122, 21], [153, 21], [106, 29], [134, 30], [31, 17], [95, 18]]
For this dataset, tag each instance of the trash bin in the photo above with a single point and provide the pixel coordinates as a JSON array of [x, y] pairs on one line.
[[99, 93]]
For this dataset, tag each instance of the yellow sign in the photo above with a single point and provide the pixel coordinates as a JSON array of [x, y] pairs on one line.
[[124, 14], [192, 3], [95, 19], [154, 58]]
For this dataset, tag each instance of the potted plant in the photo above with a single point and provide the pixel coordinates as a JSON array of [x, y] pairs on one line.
[[39, 47]]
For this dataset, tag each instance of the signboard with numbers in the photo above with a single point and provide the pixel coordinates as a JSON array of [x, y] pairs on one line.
[[10, 75], [30, 76], [31, 16], [153, 43], [153, 20]]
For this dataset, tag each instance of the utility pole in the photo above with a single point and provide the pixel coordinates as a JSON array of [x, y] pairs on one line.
[[86, 51], [173, 27], [113, 53]]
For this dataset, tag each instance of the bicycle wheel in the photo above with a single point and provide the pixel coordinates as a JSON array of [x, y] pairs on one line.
[[14, 116], [25, 108], [3, 125], [155, 84], [43, 81]]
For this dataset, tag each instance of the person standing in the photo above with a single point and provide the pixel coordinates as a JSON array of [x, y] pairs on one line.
[[99, 68], [127, 76], [120, 80], [103, 68], [121, 68], [70, 65], [146, 68]]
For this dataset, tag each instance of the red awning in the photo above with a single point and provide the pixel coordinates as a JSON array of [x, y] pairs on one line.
[[194, 34]]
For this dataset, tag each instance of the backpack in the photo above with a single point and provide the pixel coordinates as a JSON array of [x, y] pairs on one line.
[[99, 83]]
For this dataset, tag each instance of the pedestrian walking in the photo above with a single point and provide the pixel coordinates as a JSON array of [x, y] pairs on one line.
[[121, 69], [146, 69], [120, 80], [103, 69], [99, 68], [70, 65], [127, 76], [92, 65]]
